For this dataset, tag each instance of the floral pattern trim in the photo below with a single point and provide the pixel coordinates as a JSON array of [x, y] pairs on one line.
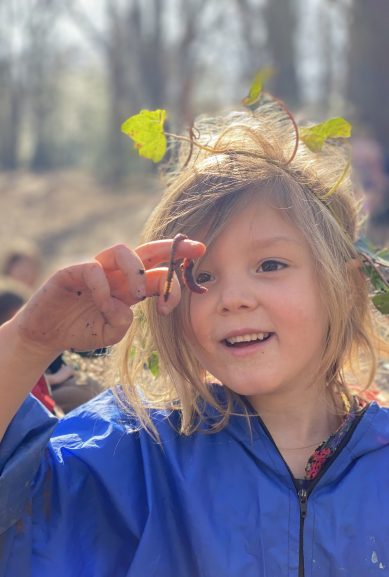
[[330, 445]]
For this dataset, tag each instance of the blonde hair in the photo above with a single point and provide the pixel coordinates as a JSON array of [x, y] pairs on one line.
[[246, 155]]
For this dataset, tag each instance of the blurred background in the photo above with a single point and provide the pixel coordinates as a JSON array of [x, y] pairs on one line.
[[71, 72]]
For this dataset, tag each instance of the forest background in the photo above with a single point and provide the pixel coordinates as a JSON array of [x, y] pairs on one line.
[[71, 72]]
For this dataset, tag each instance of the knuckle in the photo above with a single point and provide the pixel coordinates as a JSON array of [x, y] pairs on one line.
[[121, 248], [94, 267]]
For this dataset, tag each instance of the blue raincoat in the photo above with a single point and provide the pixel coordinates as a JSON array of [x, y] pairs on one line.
[[94, 497]]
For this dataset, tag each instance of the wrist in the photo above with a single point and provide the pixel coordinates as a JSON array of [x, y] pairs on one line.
[[22, 363], [25, 350]]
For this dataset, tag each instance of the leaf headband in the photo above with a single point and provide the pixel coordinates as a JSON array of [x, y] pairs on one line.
[[147, 131]]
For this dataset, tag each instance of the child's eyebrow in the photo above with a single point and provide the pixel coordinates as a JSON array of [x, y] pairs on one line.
[[270, 241]]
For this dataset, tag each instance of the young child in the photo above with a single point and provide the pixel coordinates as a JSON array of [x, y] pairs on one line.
[[250, 453]]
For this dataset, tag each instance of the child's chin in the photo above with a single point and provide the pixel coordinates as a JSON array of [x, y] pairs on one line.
[[252, 390]]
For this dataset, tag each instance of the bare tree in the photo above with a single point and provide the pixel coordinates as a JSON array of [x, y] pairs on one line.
[[268, 30], [253, 32], [281, 25], [145, 67], [368, 81], [11, 85], [42, 79], [28, 68]]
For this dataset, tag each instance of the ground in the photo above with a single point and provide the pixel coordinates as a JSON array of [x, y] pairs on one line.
[[69, 215]]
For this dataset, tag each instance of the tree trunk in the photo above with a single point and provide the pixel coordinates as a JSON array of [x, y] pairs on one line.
[[368, 81], [11, 99], [116, 167], [281, 24]]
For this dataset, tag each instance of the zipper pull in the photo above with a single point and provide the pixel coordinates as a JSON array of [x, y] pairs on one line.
[[302, 494]]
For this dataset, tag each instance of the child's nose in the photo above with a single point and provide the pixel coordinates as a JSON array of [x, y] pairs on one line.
[[237, 296]]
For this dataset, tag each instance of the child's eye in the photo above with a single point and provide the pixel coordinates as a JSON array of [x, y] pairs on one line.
[[203, 277], [271, 266]]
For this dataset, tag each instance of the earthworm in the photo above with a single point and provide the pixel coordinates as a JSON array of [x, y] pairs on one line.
[[168, 283], [189, 281], [186, 268]]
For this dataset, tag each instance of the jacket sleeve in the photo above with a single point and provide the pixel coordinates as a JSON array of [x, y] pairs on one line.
[[72, 493], [21, 452]]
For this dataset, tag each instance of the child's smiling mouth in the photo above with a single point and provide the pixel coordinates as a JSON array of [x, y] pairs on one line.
[[246, 339]]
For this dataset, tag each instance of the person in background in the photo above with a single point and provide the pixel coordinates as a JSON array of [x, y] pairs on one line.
[[372, 176], [22, 262]]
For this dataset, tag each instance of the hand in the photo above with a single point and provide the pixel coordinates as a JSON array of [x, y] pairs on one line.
[[87, 306]]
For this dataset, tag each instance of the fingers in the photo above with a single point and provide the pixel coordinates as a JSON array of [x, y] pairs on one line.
[[119, 318], [96, 281], [155, 286], [127, 280], [91, 278], [149, 255], [118, 262], [117, 314], [157, 252]]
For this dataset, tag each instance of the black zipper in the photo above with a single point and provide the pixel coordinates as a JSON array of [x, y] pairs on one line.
[[303, 497], [302, 493]]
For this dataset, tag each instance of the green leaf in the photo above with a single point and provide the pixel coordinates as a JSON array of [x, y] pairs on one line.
[[364, 245], [381, 302], [383, 255], [147, 132], [315, 136], [256, 87], [375, 279], [153, 364], [379, 257]]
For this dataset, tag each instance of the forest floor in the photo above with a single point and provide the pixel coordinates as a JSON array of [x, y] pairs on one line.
[[69, 216]]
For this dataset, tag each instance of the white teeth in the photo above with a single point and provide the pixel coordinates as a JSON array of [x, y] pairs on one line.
[[247, 338]]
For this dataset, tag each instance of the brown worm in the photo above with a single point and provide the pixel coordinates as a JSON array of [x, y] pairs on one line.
[[172, 263], [186, 269], [187, 275]]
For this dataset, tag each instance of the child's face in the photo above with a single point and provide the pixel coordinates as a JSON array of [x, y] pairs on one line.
[[261, 282]]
